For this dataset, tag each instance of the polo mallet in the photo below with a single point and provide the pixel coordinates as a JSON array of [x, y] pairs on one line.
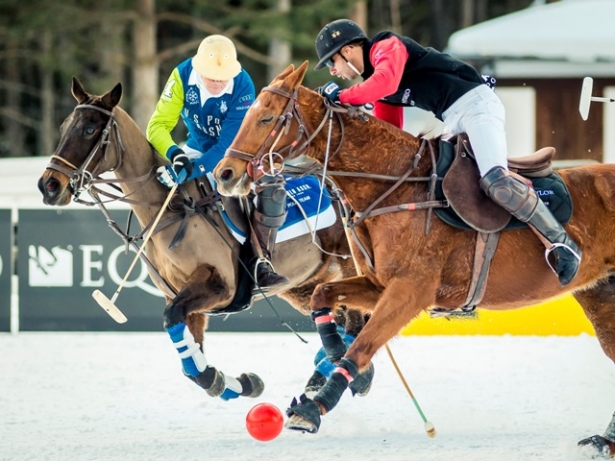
[[587, 98], [109, 304], [428, 425]]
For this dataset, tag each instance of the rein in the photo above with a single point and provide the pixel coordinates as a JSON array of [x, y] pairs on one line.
[[266, 154]]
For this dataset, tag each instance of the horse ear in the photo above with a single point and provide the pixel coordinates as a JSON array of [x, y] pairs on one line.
[[285, 73], [78, 92], [294, 79], [112, 97]]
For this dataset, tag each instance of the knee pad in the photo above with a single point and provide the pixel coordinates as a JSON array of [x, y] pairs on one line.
[[510, 193]]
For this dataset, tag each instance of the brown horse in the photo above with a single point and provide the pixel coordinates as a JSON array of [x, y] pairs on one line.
[[405, 269], [201, 274]]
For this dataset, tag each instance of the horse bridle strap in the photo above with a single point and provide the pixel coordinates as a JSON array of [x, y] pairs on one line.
[[295, 149]]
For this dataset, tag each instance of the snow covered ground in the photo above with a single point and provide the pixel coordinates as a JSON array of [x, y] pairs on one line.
[[118, 396]]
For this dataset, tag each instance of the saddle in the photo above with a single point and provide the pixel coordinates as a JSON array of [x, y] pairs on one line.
[[471, 208]]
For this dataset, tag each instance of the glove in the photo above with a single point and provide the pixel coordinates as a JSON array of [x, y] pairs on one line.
[[178, 173], [181, 162], [331, 91]]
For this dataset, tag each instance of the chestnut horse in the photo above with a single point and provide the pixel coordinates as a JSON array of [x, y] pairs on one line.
[[406, 270], [201, 274]]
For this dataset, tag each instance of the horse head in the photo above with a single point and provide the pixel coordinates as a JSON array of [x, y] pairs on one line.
[[268, 134], [83, 150]]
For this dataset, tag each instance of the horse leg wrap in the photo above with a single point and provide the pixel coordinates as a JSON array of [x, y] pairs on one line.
[[610, 431], [193, 359], [308, 410], [331, 339], [315, 383], [332, 391], [363, 382]]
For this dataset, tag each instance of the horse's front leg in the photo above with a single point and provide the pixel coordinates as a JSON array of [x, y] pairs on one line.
[[598, 302], [185, 323], [397, 305]]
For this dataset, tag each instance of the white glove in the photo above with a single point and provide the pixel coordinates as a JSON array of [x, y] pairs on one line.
[[167, 176]]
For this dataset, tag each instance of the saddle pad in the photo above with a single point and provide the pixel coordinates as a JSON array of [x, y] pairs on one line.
[[305, 191], [551, 189]]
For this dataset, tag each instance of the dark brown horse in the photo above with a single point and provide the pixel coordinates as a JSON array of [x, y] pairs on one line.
[[406, 270], [202, 274]]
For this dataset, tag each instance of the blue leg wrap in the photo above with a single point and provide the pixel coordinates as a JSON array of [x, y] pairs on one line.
[[323, 365], [193, 360]]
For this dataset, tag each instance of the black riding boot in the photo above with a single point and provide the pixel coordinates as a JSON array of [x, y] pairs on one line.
[[269, 215], [521, 201], [266, 231]]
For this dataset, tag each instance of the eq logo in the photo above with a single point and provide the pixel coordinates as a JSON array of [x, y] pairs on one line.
[[54, 268], [50, 268]]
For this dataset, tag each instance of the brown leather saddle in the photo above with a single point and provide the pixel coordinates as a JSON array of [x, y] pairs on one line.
[[461, 185]]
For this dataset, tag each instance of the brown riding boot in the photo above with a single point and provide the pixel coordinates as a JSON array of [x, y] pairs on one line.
[[521, 201], [265, 232]]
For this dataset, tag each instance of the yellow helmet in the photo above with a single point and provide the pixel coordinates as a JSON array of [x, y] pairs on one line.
[[216, 58]]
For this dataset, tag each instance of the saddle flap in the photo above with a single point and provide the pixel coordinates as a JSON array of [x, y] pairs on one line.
[[461, 188]]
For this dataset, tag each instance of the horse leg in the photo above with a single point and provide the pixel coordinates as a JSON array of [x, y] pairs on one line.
[[598, 302], [186, 327], [337, 339], [392, 311]]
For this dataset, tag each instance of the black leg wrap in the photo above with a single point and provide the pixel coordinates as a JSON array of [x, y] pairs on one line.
[[363, 382], [332, 391], [251, 385], [308, 410], [212, 381], [600, 446], [315, 383], [331, 339]]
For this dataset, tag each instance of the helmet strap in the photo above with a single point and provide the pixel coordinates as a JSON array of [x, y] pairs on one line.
[[352, 67]]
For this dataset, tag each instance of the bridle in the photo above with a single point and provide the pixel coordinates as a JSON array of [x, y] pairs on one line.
[[81, 178], [264, 161]]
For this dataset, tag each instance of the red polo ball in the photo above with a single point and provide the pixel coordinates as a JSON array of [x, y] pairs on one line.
[[264, 422]]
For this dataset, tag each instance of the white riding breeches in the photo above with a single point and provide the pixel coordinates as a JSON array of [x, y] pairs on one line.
[[480, 114]]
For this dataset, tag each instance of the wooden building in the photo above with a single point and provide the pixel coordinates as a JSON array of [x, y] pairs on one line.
[[540, 56]]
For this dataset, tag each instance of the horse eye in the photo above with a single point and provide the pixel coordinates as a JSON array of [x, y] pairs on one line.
[[266, 120], [90, 130]]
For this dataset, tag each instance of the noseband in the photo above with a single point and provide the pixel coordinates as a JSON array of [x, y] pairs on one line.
[[80, 177], [264, 159]]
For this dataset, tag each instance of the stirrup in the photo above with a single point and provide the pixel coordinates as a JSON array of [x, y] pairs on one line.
[[555, 246], [568, 264], [264, 288]]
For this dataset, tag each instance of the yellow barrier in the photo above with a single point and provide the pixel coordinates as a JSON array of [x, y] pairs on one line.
[[561, 317]]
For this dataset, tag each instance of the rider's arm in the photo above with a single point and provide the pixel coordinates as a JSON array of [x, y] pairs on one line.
[[166, 116], [243, 97], [389, 58]]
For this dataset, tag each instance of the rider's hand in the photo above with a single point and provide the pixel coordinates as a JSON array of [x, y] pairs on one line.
[[331, 91], [181, 162], [178, 173]]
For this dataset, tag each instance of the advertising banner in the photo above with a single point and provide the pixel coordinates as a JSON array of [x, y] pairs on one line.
[[64, 255], [6, 268]]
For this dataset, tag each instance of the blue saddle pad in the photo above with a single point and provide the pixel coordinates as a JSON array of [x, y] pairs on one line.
[[318, 209]]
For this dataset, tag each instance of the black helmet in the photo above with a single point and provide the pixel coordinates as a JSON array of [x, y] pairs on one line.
[[335, 36]]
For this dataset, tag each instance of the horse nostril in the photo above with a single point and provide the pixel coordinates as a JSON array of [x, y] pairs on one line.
[[226, 175]]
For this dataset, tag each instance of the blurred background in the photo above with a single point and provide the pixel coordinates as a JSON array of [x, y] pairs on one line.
[[138, 43], [538, 50]]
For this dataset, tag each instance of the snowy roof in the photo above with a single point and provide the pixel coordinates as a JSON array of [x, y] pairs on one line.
[[579, 33]]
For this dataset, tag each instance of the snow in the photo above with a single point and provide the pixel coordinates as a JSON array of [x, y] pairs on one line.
[[571, 30], [122, 396]]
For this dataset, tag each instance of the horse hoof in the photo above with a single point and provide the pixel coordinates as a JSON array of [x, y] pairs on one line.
[[599, 447], [304, 416], [363, 382], [251, 385], [314, 384], [298, 423]]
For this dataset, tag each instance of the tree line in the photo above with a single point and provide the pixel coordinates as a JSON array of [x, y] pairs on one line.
[[139, 42]]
